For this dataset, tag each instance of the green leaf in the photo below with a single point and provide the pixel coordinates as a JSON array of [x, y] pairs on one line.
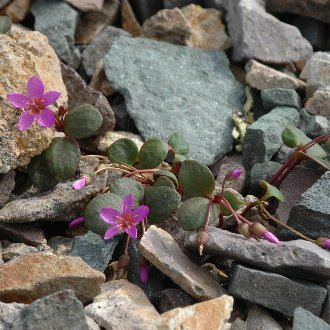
[[178, 143], [234, 200], [124, 151], [196, 179], [152, 153], [270, 191], [168, 174], [5, 24], [82, 122], [162, 202], [192, 213], [63, 156], [92, 212], [179, 158], [164, 181], [125, 186]]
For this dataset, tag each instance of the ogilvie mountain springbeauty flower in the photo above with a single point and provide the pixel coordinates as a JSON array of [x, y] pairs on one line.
[[81, 182], [77, 221], [127, 219], [34, 104]]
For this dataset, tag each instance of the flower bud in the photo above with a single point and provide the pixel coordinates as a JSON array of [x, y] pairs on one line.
[[77, 221], [244, 229], [124, 261], [234, 174], [260, 231], [201, 239], [323, 242], [81, 182]]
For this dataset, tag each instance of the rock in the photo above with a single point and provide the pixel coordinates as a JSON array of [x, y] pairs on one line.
[[258, 318], [99, 47], [311, 215], [79, 93], [7, 184], [319, 10], [149, 93], [121, 305], [8, 314], [266, 134], [275, 291], [283, 154], [313, 126], [174, 298], [158, 247], [129, 21], [99, 80], [217, 4], [86, 5], [16, 250], [146, 8], [63, 203], [319, 103], [3, 3], [274, 97], [92, 23], [296, 258], [326, 306], [16, 10], [24, 54], [92, 325], [58, 21], [261, 77], [251, 29], [95, 251], [60, 244], [169, 4], [305, 320], [88, 165], [211, 314]]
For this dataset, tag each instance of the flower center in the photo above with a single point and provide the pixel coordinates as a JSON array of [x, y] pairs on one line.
[[126, 221], [36, 106]]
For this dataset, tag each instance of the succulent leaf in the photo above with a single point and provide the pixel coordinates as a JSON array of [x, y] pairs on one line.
[[152, 153], [123, 150], [234, 201], [270, 191], [178, 143]]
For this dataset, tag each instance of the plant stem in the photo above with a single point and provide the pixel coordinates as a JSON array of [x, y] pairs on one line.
[[126, 244], [207, 220], [104, 158]]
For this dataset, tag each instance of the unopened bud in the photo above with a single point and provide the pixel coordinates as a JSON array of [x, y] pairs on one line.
[[323, 242], [81, 182], [258, 229], [201, 239], [124, 261], [244, 229], [234, 174]]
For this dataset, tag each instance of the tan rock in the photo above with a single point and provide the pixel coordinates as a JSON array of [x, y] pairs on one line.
[[24, 54], [16, 10], [129, 21], [261, 76], [86, 5], [35, 276], [122, 305], [319, 103], [159, 248], [211, 314]]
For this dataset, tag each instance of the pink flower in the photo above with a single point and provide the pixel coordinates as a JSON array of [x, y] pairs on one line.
[[127, 219], [144, 270], [81, 182], [260, 231], [323, 242], [268, 236], [234, 174], [77, 221], [34, 104]]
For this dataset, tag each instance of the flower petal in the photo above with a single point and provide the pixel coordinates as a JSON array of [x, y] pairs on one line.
[[132, 231], [144, 270], [25, 120], [50, 97], [110, 215], [35, 87], [18, 100], [127, 204], [112, 231], [76, 221], [140, 213], [46, 118], [79, 184]]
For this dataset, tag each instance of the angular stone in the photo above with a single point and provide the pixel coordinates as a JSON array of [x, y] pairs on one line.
[[60, 244], [261, 77], [174, 298], [60, 310], [24, 54], [99, 80], [58, 21], [79, 93], [129, 21], [266, 134], [276, 291], [305, 320], [311, 215], [319, 103], [15, 250], [122, 305], [8, 314], [274, 97], [37, 275], [86, 5], [99, 47], [326, 306], [258, 318], [95, 251], [211, 314], [62, 204], [168, 99], [296, 258], [92, 23], [313, 126], [251, 29], [158, 247], [16, 10], [7, 184]]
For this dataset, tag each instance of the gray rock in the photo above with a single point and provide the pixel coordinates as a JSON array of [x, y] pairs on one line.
[[251, 28], [180, 3], [297, 258], [283, 154], [60, 244], [168, 87], [263, 138], [326, 306], [275, 291], [8, 314], [57, 20], [173, 298], [311, 215], [274, 97], [319, 103], [305, 320], [7, 184], [146, 8], [95, 251], [217, 4], [60, 310], [92, 325], [15, 250], [99, 47], [258, 318], [312, 125]]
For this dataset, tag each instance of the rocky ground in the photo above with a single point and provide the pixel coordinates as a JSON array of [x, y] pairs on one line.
[[150, 68]]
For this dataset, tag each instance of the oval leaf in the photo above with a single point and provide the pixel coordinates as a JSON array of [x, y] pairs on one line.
[[164, 181], [192, 213], [63, 156], [124, 151], [168, 174], [234, 200], [82, 122], [270, 191], [178, 143], [196, 179], [152, 153]]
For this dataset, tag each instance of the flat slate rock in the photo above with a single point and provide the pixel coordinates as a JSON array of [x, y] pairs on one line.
[[305, 320], [297, 258], [168, 87]]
